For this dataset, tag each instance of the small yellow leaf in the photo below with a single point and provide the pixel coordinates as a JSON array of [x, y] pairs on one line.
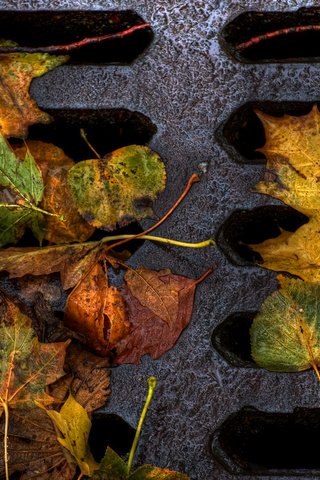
[[74, 425]]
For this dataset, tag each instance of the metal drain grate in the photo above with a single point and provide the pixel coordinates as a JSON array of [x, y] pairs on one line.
[[175, 94]]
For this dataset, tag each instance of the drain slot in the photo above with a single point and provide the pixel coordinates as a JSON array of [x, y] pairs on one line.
[[106, 129], [244, 227], [242, 134], [48, 28], [261, 37], [110, 430], [254, 442], [232, 339]]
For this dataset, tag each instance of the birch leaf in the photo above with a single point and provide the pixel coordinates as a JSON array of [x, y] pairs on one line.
[[285, 335], [17, 109], [292, 149], [119, 188], [74, 426]]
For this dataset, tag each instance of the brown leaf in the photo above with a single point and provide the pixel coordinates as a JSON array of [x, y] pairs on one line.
[[33, 447], [159, 307], [97, 311], [88, 379]]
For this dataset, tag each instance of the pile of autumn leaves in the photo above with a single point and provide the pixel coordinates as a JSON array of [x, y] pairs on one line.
[[49, 390], [285, 335]]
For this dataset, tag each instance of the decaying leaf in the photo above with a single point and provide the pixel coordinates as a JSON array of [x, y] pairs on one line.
[[292, 149], [119, 188], [285, 335], [17, 109], [33, 447], [74, 426], [26, 366], [21, 192], [159, 306], [87, 378], [97, 311], [112, 467], [145, 316]]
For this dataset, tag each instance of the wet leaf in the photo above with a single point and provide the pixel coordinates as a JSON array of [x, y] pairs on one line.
[[71, 261], [119, 188], [159, 306], [285, 335], [292, 150], [54, 165], [87, 378], [34, 449], [113, 467], [17, 109], [21, 193], [26, 365], [74, 426], [97, 311], [149, 472]]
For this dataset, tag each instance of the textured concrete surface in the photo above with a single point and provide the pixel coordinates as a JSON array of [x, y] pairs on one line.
[[188, 86]]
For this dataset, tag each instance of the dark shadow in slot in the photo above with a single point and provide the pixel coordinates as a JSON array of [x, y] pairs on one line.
[[106, 130], [232, 339], [298, 44], [110, 430], [242, 134], [254, 442], [46, 28], [245, 227]]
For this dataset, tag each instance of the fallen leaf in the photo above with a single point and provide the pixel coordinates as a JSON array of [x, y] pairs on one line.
[[292, 149], [74, 426], [285, 335], [54, 165], [27, 366], [71, 261], [159, 306], [97, 311], [17, 109], [119, 188], [21, 193], [112, 467], [87, 378], [33, 447], [149, 472]]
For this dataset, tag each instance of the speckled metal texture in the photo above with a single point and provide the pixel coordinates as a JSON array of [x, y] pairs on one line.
[[187, 86]]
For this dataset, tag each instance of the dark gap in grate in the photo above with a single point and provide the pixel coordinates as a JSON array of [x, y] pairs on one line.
[[261, 37], [232, 339], [110, 430], [106, 129], [242, 134], [46, 28], [244, 227], [254, 442]]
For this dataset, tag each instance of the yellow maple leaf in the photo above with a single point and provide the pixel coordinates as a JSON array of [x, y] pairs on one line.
[[292, 150]]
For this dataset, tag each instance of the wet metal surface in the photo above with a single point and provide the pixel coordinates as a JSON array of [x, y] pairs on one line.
[[188, 86]]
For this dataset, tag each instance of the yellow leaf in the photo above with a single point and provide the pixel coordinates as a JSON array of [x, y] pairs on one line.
[[292, 149], [74, 425]]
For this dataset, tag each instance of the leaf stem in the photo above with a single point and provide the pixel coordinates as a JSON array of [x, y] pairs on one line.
[[6, 432], [85, 138], [193, 179], [152, 382], [169, 241], [30, 206]]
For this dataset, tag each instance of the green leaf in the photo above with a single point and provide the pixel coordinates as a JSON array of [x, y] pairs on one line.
[[119, 188], [149, 472], [285, 335], [75, 425], [22, 190], [112, 467]]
